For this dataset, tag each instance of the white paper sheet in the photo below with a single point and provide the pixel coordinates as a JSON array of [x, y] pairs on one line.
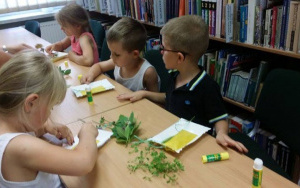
[[174, 129], [103, 136], [101, 83]]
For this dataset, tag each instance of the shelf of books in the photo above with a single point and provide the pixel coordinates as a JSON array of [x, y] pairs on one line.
[[250, 31]]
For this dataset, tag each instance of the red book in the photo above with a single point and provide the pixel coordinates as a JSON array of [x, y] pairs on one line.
[[274, 20], [182, 8]]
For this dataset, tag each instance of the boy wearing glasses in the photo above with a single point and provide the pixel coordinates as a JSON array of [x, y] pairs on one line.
[[191, 92], [126, 39]]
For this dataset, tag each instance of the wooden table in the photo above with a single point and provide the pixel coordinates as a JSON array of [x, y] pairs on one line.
[[111, 167], [17, 35]]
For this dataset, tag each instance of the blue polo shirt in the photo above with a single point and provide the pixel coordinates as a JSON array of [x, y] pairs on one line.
[[200, 98]]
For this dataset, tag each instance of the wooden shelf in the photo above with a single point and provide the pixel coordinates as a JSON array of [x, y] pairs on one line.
[[241, 105], [260, 48]]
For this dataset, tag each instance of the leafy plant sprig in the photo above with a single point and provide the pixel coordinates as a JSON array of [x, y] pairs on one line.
[[64, 72], [123, 129], [156, 163]]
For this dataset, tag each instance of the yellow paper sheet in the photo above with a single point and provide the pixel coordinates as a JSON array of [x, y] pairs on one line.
[[180, 140]]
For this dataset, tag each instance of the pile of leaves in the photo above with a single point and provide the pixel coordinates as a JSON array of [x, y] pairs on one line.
[[64, 72], [150, 160], [123, 129]]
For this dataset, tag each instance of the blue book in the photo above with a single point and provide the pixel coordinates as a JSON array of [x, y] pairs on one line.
[[243, 22], [284, 23]]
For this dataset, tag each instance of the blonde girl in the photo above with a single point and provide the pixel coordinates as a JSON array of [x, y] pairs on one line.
[[74, 22], [30, 85]]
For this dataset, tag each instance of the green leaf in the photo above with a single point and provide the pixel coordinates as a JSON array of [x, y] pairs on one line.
[[67, 72], [127, 132], [131, 118], [120, 132]]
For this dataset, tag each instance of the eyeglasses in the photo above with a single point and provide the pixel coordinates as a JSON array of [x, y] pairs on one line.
[[162, 49]]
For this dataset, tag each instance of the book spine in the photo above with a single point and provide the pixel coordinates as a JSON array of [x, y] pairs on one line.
[[182, 7], [243, 23], [274, 21], [229, 22], [295, 29], [286, 22], [218, 18], [213, 17], [278, 27], [293, 8], [251, 21]]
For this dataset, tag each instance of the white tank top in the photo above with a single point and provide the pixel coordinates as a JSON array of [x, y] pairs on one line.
[[42, 179], [134, 83]]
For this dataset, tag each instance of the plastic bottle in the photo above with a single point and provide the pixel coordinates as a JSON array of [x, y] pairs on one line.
[[257, 173], [89, 94], [215, 157]]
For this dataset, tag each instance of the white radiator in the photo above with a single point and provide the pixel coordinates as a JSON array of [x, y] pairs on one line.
[[51, 32]]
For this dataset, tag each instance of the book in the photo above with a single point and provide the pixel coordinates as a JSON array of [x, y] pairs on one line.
[[243, 23], [182, 7], [284, 23], [291, 25], [229, 22], [250, 85], [296, 32], [235, 124], [262, 73], [219, 18], [274, 22], [278, 26], [251, 21], [267, 27]]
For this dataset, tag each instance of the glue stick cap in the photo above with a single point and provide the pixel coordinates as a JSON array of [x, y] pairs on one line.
[[225, 155], [88, 88], [258, 164]]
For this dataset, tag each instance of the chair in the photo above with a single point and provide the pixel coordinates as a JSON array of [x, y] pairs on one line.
[[155, 58], [278, 109], [98, 32], [105, 55], [34, 27]]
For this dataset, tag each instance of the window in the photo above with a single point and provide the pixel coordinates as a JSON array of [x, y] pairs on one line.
[[7, 6]]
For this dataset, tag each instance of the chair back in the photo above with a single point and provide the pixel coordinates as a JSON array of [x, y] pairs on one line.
[[155, 58], [98, 32], [34, 27], [278, 107], [105, 55]]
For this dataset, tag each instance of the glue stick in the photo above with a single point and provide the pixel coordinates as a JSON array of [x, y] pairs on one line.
[[257, 173], [89, 94], [79, 77], [66, 64], [215, 157]]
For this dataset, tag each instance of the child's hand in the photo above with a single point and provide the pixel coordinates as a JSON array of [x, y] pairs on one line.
[[86, 79], [226, 141], [16, 48], [88, 129], [53, 47], [60, 131], [135, 96]]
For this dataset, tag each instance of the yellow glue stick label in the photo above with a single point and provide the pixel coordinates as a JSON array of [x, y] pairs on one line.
[[215, 157]]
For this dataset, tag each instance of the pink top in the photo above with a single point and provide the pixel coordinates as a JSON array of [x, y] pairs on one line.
[[77, 48]]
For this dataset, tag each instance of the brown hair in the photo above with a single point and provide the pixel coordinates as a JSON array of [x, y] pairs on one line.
[[129, 32], [188, 34], [74, 14]]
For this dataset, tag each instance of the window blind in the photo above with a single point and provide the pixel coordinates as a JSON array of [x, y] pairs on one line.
[[7, 6]]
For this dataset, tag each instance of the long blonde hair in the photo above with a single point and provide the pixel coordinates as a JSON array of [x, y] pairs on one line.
[[26, 73]]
